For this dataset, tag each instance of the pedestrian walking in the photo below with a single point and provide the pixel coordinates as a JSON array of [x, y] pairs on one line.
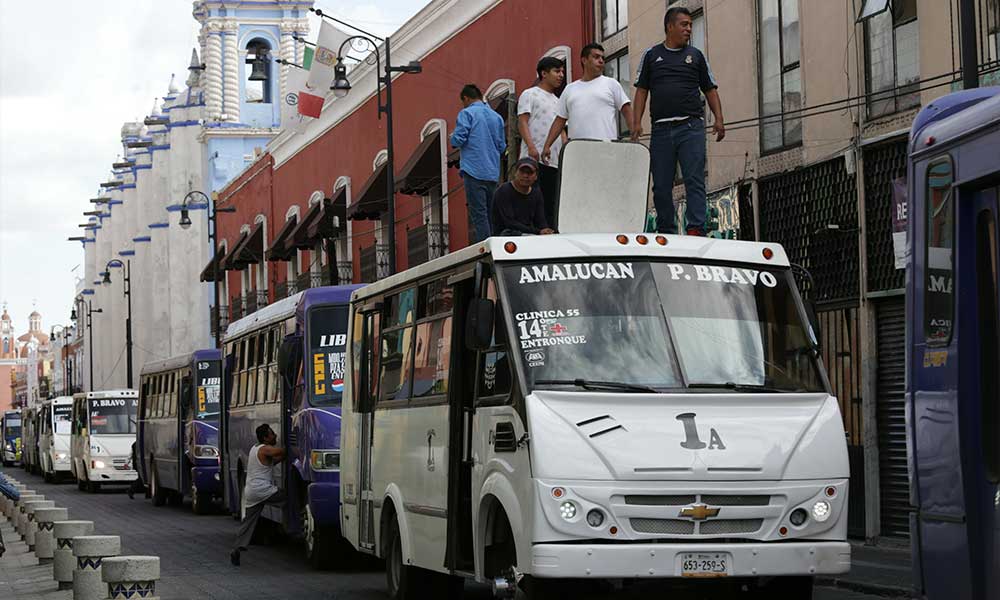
[[518, 205], [260, 489], [479, 134], [676, 74], [536, 110], [590, 105]]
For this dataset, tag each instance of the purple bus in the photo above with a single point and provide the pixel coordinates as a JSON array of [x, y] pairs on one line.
[[284, 366], [178, 434]]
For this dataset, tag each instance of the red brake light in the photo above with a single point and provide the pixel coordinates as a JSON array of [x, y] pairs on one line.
[[643, 240], [510, 247], [622, 239], [768, 253]]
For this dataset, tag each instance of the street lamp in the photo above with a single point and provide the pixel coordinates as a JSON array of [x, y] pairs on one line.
[[127, 265], [185, 223], [342, 86]]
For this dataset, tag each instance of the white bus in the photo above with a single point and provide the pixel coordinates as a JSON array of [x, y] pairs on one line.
[[532, 410], [103, 431], [55, 418]]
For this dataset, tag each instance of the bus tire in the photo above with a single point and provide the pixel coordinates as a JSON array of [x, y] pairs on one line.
[[320, 541], [793, 588], [158, 493], [93, 487], [81, 484], [403, 582], [201, 502]]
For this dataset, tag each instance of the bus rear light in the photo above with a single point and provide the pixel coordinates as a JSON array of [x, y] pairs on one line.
[[643, 240], [510, 247], [661, 240], [558, 492], [768, 254], [622, 239]]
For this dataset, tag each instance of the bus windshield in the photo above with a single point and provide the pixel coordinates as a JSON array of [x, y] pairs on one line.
[[327, 350], [207, 390], [644, 325], [11, 428], [112, 415], [62, 418]]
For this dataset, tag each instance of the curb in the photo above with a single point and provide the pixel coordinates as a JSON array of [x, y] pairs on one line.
[[874, 589]]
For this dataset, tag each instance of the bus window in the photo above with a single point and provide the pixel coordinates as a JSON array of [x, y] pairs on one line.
[[61, 418], [234, 393], [939, 303], [432, 352], [397, 348], [989, 352], [265, 355], [172, 407], [366, 359], [493, 381]]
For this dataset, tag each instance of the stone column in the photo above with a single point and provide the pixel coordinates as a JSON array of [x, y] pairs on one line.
[[29, 525], [213, 70], [231, 71], [131, 577], [44, 540], [63, 561], [90, 552], [20, 517]]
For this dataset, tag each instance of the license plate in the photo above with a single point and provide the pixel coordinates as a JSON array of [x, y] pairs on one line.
[[706, 564]]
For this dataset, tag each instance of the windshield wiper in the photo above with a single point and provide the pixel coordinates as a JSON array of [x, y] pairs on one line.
[[742, 387], [588, 384]]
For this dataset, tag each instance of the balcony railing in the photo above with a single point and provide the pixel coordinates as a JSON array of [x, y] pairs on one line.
[[236, 308], [284, 289], [345, 271], [261, 299], [224, 312], [303, 281], [427, 242], [250, 303]]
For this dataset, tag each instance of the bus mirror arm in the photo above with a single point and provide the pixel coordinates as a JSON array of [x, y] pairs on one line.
[[479, 324], [814, 323]]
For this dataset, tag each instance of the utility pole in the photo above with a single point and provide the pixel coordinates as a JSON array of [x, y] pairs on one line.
[[970, 59]]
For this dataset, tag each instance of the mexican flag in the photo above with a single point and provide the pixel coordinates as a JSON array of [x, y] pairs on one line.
[[320, 76], [290, 117]]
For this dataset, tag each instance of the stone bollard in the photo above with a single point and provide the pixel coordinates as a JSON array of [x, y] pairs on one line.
[[44, 542], [21, 516], [131, 576], [63, 560], [30, 529], [90, 552]]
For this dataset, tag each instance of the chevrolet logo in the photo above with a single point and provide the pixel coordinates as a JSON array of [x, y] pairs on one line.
[[699, 512]]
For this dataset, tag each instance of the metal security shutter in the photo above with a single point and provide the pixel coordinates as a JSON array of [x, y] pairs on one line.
[[893, 477]]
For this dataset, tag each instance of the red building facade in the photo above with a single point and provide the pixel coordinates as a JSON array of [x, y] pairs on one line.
[[312, 210]]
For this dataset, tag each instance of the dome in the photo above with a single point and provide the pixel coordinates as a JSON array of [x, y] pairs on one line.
[[34, 315], [5, 316]]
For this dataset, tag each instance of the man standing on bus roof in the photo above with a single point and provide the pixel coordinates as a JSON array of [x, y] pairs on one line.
[[479, 134], [260, 489], [676, 74]]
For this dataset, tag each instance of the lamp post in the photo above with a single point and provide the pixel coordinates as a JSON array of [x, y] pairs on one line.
[[341, 87], [62, 350], [185, 223], [127, 266], [90, 335]]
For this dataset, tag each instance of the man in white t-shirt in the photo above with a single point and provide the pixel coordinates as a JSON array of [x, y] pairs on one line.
[[590, 104], [536, 109]]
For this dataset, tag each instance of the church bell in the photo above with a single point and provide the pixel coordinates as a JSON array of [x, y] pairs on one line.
[[258, 66]]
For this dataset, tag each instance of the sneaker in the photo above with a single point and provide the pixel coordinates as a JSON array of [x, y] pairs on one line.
[[234, 557], [696, 231]]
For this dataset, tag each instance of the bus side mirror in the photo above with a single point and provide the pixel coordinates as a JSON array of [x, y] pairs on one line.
[[479, 324]]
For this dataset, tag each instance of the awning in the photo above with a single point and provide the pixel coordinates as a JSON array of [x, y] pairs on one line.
[[227, 262], [371, 202], [249, 250], [299, 238], [324, 225], [278, 250], [220, 258], [422, 171]]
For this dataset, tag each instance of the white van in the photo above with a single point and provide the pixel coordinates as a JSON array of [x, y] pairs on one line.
[[55, 423], [104, 425]]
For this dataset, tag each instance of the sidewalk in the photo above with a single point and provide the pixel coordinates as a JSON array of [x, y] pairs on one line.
[[21, 576], [882, 570]]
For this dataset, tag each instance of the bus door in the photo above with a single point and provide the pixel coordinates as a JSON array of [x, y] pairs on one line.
[[980, 342], [367, 393]]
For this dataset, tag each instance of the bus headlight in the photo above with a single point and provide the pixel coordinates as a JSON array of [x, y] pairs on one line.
[[567, 510], [324, 460], [821, 511], [97, 464], [60, 456], [206, 452]]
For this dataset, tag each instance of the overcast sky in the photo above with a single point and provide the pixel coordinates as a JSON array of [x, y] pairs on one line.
[[71, 73]]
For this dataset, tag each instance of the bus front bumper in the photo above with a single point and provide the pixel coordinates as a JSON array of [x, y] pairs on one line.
[[207, 480], [626, 561]]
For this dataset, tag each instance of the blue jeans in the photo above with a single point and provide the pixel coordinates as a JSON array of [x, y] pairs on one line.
[[682, 142], [479, 199]]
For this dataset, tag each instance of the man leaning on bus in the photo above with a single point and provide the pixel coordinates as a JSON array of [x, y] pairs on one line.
[[260, 489]]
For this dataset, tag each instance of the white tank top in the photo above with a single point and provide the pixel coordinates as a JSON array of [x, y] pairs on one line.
[[260, 485]]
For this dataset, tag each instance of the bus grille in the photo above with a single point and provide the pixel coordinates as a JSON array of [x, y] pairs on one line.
[[739, 500], [663, 526], [643, 500], [720, 526]]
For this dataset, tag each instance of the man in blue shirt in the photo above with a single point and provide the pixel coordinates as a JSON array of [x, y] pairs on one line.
[[676, 74], [479, 134]]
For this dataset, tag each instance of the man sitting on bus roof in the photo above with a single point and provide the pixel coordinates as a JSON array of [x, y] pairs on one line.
[[518, 205], [260, 489]]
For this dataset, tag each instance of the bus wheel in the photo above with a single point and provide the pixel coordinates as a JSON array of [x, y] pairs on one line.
[[404, 582], [159, 494], [201, 503], [93, 487], [320, 541], [794, 588]]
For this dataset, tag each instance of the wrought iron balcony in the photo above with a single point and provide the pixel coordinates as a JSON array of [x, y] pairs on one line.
[[236, 308], [303, 281], [427, 242], [345, 272], [261, 299], [224, 312], [284, 289], [250, 303]]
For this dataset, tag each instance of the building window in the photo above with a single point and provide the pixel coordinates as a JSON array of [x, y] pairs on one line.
[[892, 59], [258, 72], [616, 67], [698, 30], [614, 16], [780, 74]]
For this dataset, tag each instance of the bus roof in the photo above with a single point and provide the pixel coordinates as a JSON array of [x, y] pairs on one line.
[[108, 394], [287, 307], [953, 116], [590, 245], [59, 400], [177, 362]]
